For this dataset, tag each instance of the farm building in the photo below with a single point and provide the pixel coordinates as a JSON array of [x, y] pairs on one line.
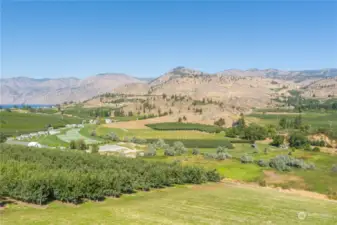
[[34, 144]]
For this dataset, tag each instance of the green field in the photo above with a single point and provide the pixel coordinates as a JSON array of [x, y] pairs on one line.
[[185, 126], [15, 123], [202, 204], [73, 134], [315, 120], [155, 134]]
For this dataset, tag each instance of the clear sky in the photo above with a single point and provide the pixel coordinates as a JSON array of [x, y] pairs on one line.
[[146, 39]]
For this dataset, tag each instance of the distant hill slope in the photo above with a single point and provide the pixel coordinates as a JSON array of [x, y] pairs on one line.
[[22, 90]]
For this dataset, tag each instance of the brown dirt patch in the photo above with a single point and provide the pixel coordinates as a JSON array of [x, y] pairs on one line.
[[273, 178]]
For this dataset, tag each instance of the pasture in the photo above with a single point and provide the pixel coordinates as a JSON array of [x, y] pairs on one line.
[[222, 203], [15, 123]]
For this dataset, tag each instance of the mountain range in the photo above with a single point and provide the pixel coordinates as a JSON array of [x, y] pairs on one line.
[[23, 90]]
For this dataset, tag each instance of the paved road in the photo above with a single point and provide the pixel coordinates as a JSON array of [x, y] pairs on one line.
[[25, 143]]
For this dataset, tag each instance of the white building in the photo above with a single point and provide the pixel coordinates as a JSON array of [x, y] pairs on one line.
[[34, 144]]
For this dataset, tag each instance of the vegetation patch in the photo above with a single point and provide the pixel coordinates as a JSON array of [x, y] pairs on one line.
[[41, 175], [186, 126]]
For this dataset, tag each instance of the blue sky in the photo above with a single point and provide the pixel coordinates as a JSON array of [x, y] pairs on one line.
[[146, 39]]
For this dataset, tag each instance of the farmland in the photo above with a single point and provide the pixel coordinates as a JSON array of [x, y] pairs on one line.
[[15, 123], [185, 126], [73, 134], [326, 121], [223, 203]]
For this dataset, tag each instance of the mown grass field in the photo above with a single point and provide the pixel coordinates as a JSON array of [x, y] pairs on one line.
[[15, 123], [201, 204]]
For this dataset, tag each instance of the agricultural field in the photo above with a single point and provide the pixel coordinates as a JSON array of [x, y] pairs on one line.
[[222, 203], [185, 126], [73, 134], [156, 134], [15, 123], [315, 120]]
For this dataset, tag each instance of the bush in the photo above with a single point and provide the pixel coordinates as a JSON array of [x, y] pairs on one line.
[[94, 148], [316, 149], [3, 138], [169, 151], [285, 162], [138, 140], [297, 140], [160, 144], [254, 132], [80, 144], [42, 175], [246, 159], [262, 163], [334, 168], [151, 151], [113, 137], [179, 148], [277, 140], [195, 151], [93, 133], [72, 144]]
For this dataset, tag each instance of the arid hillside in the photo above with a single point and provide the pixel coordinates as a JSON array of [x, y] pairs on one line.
[[324, 88]]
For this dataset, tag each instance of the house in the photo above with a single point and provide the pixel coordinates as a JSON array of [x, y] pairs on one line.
[[34, 144], [53, 132], [108, 121]]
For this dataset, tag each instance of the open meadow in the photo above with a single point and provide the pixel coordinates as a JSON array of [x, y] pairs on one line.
[[222, 203]]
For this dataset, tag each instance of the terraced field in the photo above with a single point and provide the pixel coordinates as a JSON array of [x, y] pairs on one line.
[[227, 203]]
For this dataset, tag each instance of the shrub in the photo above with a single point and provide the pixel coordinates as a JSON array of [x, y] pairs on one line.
[[316, 149], [94, 148], [160, 144], [297, 140], [277, 140], [169, 151], [151, 151], [262, 163], [138, 140], [113, 137], [254, 132], [179, 148], [221, 149], [246, 159], [223, 156], [80, 144], [3, 138], [285, 162], [72, 144], [195, 151], [93, 133], [334, 168]]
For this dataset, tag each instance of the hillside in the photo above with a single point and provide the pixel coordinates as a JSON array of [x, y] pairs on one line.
[[22, 90], [323, 88]]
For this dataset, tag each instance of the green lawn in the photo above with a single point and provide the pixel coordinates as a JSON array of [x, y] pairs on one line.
[[73, 134], [203, 204], [15, 123]]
